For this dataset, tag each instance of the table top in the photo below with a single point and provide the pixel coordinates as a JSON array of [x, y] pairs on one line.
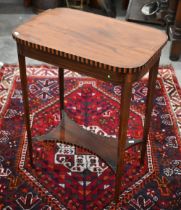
[[91, 38]]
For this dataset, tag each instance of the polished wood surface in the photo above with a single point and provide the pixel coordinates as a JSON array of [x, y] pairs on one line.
[[76, 35], [107, 49]]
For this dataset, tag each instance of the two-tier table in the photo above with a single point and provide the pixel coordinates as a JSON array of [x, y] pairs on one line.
[[104, 48]]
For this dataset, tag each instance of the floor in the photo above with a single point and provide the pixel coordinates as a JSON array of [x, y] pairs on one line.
[[12, 13]]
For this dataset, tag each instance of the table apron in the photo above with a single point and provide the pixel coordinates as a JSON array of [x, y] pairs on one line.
[[115, 78]]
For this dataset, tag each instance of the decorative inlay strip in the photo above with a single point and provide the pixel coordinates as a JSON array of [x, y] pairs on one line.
[[88, 61]]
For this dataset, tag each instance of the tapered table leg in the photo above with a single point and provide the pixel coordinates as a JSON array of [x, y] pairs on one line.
[[149, 106], [22, 66], [61, 89], [122, 136]]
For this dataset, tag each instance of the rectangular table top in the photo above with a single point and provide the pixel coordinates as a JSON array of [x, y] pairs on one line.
[[81, 35]]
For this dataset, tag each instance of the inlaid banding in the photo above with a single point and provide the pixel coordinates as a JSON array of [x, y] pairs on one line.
[[69, 56], [56, 52], [86, 61], [26, 43], [53, 51], [78, 58], [44, 48], [61, 53], [73, 57], [105, 66], [147, 65], [82, 60]]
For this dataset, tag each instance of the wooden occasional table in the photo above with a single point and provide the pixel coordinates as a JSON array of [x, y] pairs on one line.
[[104, 48]]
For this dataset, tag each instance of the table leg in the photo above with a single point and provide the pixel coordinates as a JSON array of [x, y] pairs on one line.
[[122, 136], [61, 89], [149, 106], [23, 77]]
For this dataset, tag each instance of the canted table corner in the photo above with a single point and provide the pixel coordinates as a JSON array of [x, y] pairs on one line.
[[104, 48]]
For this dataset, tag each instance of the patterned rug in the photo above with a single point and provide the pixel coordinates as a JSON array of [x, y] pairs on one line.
[[67, 177]]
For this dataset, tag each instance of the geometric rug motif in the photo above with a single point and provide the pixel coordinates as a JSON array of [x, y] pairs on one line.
[[68, 177]]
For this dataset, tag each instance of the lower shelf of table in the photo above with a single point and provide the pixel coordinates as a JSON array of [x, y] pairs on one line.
[[69, 132]]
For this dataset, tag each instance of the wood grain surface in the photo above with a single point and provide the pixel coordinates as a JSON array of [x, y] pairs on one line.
[[92, 38]]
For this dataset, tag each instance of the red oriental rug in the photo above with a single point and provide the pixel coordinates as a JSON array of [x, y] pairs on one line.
[[67, 177]]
